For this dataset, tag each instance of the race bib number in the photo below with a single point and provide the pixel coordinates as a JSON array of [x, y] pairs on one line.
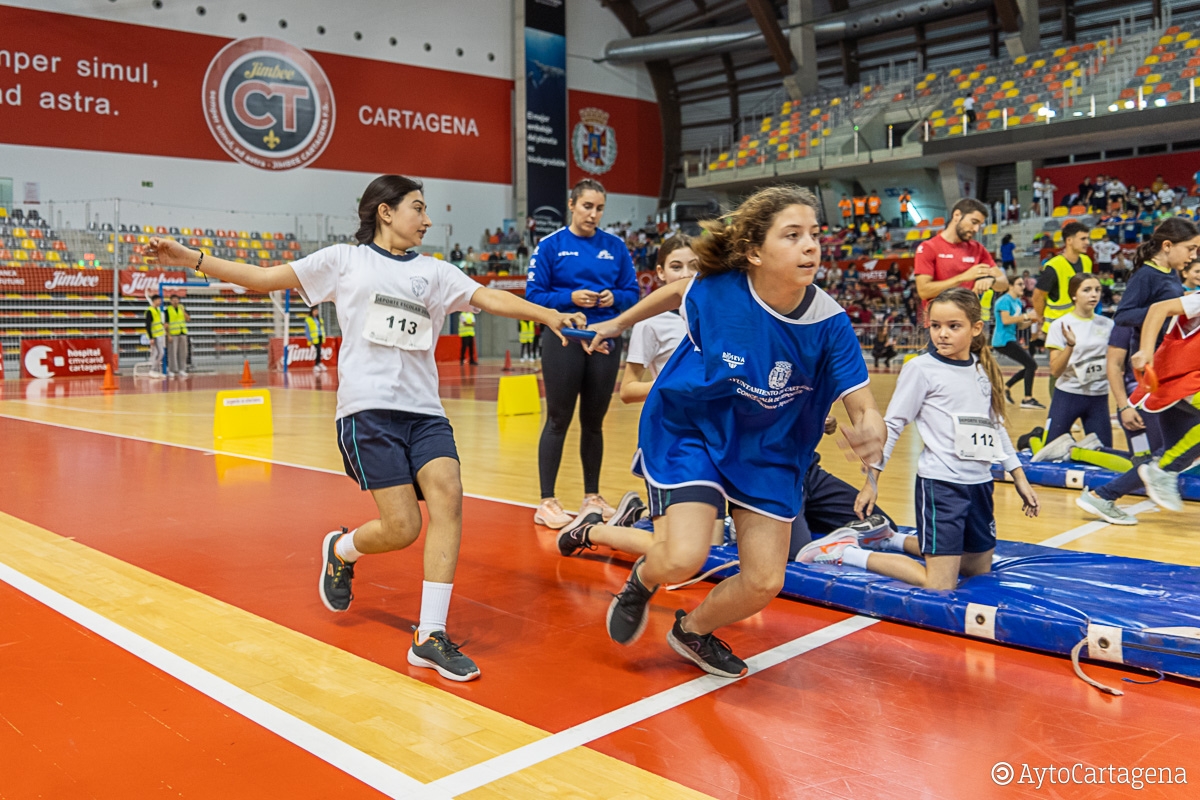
[[1090, 371], [396, 322], [975, 438]]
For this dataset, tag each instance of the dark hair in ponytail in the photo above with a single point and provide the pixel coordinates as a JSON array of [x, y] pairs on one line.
[[386, 189], [1171, 229], [725, 244], [676, 242], [968, 302], [585, 185]]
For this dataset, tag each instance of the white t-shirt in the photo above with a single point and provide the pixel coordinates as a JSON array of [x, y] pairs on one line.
[[1166, 196], [1085, 373], [376, 376], [969, 104], [1191, 309], [653, 341], [1105, 249]]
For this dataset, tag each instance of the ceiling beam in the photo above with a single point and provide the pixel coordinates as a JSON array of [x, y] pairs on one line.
[[1008, 14], [777, 43]]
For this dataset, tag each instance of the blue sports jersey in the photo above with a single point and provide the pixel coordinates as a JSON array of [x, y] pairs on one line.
[[742, 406], [564, 262]]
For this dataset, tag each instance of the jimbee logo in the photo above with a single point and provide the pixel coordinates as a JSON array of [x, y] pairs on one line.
[[268, 103]]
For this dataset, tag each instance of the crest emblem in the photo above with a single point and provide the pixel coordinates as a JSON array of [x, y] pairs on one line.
[[420, 285], [594, 142], [779, 375]]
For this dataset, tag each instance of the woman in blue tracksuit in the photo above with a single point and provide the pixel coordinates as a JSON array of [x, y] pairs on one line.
[[580, 268]]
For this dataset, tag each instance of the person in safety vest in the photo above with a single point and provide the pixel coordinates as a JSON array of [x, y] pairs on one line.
[[314, 332], [177, 338], [1050, 297], [156, 333], [526, 334], [466, 332]]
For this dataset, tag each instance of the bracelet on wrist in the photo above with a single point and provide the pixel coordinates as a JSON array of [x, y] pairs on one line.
[[200, 262]]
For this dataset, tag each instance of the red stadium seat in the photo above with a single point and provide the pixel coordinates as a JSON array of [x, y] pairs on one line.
[[60, 245], [1157, 50], [193, 242], [983, 126], [998, 96], [1028, 118], [938, 222], [989, 105], [1171, 31], [1142, 72], [1128, 94], [1031, 98], [1162, 88], [897, 97], [1029, 73], [1165, 57], [161, 229], [1174, 97], [1188, 73], [1194, 61]]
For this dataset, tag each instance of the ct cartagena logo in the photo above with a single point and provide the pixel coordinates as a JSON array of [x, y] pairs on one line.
[[268, 103]]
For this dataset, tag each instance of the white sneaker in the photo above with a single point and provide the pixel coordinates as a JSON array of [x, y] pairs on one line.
[[1106, 510], [598, 503], [1058, 450], [1161, 486], [550, 513], [828, 549], [873, 532]]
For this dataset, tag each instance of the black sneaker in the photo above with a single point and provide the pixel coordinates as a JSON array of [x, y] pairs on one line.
[[1032, 402], [439, 653], [1023, 442], [336, 575], [629, 510], [1008, 397], [707, 652], [574, 537], [628, 612]]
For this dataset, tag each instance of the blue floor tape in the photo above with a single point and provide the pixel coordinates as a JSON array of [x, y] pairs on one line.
[[1143, 614], [1073, 475]]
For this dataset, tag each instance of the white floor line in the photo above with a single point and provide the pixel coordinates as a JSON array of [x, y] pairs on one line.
[[324, 746], [210, 451], [1096, 525], [536, 752]]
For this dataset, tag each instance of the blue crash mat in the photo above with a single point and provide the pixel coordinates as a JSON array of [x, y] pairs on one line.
[[1073, 475], [1143, 614]]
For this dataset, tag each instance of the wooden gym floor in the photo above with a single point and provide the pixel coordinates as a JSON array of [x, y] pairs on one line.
[[160, 632]]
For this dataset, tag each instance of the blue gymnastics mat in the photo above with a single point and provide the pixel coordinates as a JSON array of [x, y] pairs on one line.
[[1073, 475], [1142, 614]]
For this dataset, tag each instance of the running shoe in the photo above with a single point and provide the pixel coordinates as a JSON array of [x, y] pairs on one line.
[[828, 549], [629, 510], [600, 503], [707, 652], [872, 531], [1023, 441], [439, 653], [336, 575], [1058, 450], [1032, 402], [1008, 396], [1161, 486], [629, 610], [551, 514], [574, 537], [1106, 510]]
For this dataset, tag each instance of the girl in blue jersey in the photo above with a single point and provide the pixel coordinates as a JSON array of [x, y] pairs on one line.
[[736, 415], [578, 268]]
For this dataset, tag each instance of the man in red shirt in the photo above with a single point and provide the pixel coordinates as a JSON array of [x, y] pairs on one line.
[[954, 258]]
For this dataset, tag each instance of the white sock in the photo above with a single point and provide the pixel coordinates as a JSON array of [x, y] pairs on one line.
[[896, 542], [855, 557], [435, 607], [344, 548]]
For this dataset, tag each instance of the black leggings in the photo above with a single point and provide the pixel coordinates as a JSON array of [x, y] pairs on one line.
[[468, 348], [1019, 354], [1090, 410], [569, 373]]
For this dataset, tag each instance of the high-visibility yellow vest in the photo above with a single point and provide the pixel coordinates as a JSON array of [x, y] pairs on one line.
[[466, 324], [314, 329], [527, 328], [986, 300], [156, 323], [1065, 271], [176, 321]]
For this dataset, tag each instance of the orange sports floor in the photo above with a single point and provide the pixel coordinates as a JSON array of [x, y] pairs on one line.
[[213, 559]]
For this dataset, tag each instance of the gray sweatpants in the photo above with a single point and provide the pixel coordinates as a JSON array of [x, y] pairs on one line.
[[177, 348], [157, 349]]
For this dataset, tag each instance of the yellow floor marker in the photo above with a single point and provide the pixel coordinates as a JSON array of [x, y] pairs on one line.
[[518, 395], [243, 413]]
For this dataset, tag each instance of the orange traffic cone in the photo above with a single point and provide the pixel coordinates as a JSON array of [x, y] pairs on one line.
[[247, 378], [110, 382], [508, 361]]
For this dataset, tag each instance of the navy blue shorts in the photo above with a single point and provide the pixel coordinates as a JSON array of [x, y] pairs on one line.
[[954, 518], [388, 448], [662, 499]]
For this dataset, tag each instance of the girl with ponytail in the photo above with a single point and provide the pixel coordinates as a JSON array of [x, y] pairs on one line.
[[1156, 268], [954, 392]]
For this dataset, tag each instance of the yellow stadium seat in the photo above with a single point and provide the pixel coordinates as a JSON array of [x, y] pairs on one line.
[[1007, 85], [786, 108], [206, 242], [1166, 40], [1062, 51], [1077, 73], [1020, 59], [753, 143], [243, 243], [1069, 83], [926, 233], [912, 236], [185, 231], [1097, 234], [958, 101], [815, 142], [148, 229], [992, 229], [954, 73], [815, 112], [955, 129], [1182, 36], [837, 101], [937, 114], [922, 85], [1191, 44], [825, 132], [3, 212], [1013, 120], [1058, 237], [773, 140], [939, 123], [144, 239], [964, 85], [989, 80], [1041, 62], [1151, 60], [1153, 78], [783, 147], [1059, 211], [1034, 107], [1012, 93], [20, 233], [994, 114], [53, 256], [243, 235], [974, 76], [1072, 65], [931, 76]]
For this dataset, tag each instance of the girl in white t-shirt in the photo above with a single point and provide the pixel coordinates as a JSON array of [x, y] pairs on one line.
[[392, 430], [1078, 346]]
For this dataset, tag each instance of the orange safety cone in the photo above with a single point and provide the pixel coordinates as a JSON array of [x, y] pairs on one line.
[[247, 378], [508, 361], [110, 382]]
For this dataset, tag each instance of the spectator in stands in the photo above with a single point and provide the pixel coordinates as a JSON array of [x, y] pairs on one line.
[[860, 210], [177, 338], [874, 207], [847, 209], [1121, 265], [1104, 250], [1083, 195], [905, 200], [1008, 260], [1099, 198], [530, 231], [470, 261], [1166, 199], [1116, 195], [1050, 298], [968, 107], [1149, 198], [1014, 210], [456, 255], [156, 333], [1158, 185], [1037, 195], [954, 257]]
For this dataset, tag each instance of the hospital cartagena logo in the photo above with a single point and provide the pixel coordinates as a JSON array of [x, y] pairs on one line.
[[268, 103], [594, 142]]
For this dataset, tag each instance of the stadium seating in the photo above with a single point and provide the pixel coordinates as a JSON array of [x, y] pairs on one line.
[[1166, 72]]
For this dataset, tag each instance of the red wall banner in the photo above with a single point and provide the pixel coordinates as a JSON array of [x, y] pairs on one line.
[[87, 84], [62, 358], [59, 281], [617, 141], [1176, 169], [302, 355]]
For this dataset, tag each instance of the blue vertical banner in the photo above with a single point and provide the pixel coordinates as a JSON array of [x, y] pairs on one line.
[[546, 113]]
